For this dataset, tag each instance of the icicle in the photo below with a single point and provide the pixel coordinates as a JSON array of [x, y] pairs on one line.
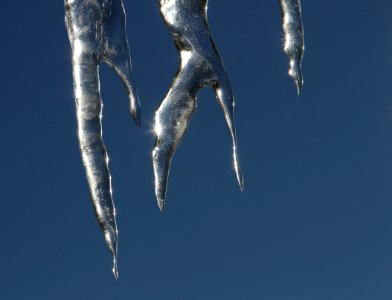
[[200, 65], [96, 30], [293, 38]]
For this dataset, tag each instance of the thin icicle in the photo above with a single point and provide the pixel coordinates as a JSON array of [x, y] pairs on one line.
[[293, 38], [200, 65], [96, 30]]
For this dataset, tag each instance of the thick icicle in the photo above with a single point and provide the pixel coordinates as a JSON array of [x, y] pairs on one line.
[[293, 38], [96, 30], [200, 65]]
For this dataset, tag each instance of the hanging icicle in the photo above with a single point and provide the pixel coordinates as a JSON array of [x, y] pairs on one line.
[[200, 66], [96, 30], [293, 38]]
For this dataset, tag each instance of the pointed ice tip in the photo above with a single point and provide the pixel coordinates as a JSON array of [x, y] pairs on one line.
[[237, 168], [240, 181], [137, 120], [115, 267], [240, 178], [161, 204], [299, 83], [295, 73], [115, 272], [298, 88], [241, 185], [136, 116]]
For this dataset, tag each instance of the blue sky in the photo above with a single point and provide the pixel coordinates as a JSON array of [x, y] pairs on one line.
[[315, 219]]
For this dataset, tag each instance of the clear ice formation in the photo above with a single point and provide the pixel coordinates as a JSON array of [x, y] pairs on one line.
[[200, 66], [96, 30], [293, 38]]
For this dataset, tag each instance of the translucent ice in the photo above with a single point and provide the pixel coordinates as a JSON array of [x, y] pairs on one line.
[[200, 66], [96, 30], [293, 38]]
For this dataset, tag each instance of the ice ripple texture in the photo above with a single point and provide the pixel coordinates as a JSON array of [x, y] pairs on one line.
[[293, 38], [200, 65], [96, 30]]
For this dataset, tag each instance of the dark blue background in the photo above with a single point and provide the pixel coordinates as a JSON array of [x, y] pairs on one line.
[[315, 219]]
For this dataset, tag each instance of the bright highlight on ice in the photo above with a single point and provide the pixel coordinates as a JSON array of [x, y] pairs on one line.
[[200, 66], [293, 38], [96, 30]]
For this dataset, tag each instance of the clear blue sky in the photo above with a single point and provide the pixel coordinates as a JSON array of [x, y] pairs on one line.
[[315, 219]]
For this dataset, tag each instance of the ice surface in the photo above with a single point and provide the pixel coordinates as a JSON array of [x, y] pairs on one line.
[[293, 38], [96, 30], [200, 66]]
